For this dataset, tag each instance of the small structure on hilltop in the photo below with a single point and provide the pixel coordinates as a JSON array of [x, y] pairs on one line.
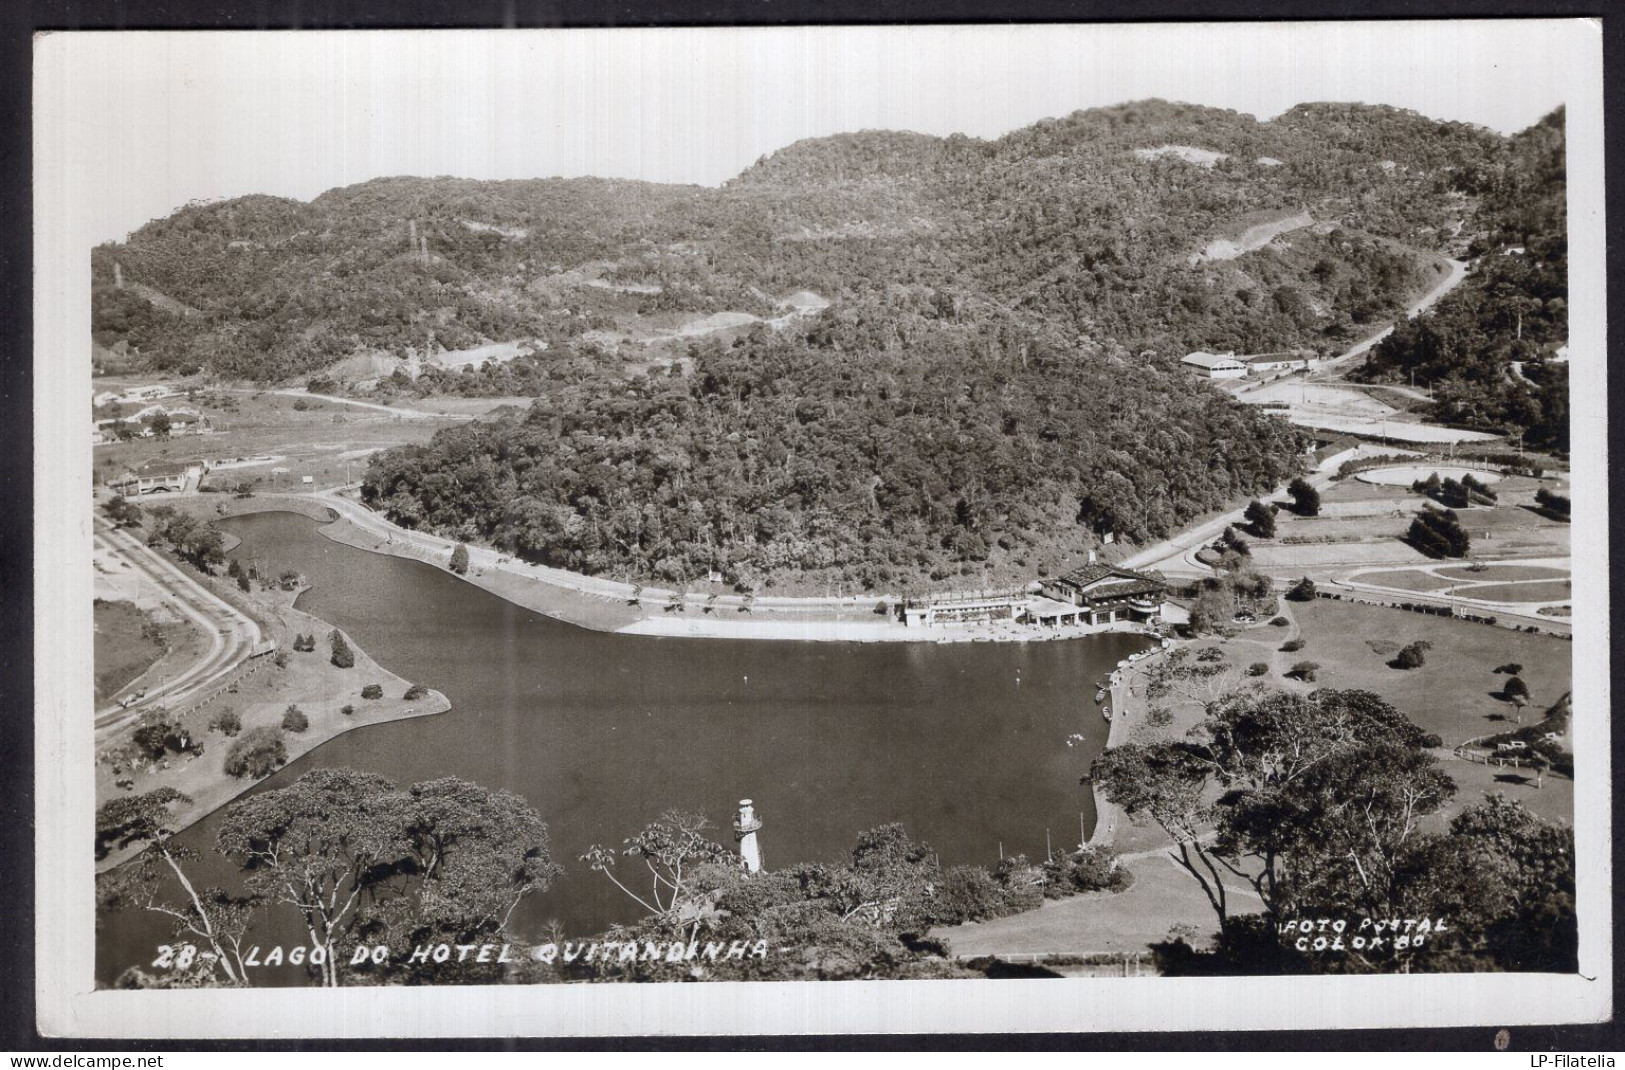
[[1216, 365]]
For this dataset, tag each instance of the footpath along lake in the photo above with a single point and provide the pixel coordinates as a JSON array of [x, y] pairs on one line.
[[965, 743]]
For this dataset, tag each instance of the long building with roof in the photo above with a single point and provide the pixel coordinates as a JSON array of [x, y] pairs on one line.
[[1091, 595]]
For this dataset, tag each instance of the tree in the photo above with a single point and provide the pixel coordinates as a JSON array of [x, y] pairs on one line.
[[1312, 798], [1258, 668], [1305, 671], [1412, 655], [343, 656], [1505, 879], [670, 848], [414, 692], [1261, 519], [348, 710], [228, 722], [356, 857], [257, 753], [1302, 591], [1515, 688], [160, 425], [459, 560], [1305, 498], [243, 585], [122, 512], [373, 691], [294, 720]]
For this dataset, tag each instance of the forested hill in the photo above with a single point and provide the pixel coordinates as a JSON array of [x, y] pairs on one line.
[[1490, 350], [992, 389], [1097, 225], [843, 461]]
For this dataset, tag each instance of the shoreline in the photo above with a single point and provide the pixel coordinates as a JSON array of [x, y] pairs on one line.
[[202, 776], [1108, 815], [604, 605]]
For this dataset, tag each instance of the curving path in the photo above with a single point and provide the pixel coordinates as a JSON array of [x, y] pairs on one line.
[[232, 634]]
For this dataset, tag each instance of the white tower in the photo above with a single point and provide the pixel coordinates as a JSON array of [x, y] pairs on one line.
[[745, 826]]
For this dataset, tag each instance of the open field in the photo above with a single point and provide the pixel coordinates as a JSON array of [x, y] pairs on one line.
[[1406, 580], [1453, 694], [1502, 573], [1538, 591], [1394, 430], [308, 436], [1319, 397], [128, 642]]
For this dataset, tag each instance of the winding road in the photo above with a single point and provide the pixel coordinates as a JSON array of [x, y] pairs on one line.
[[232, 634]]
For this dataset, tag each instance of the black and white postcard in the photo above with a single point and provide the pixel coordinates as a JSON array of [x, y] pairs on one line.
[[999, 528]]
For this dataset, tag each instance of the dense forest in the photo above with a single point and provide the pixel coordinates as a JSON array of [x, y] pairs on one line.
[[875, 452], [992, 388], [1486, 350], [1094, 225]]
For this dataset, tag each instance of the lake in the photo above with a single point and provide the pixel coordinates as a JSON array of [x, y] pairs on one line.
[[965, 743]]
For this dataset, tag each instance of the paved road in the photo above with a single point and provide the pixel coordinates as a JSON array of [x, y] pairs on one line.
[[232, 635], [1172, 555], [1458, 272]]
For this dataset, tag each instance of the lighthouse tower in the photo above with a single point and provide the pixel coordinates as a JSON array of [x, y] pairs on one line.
[[745, 826]]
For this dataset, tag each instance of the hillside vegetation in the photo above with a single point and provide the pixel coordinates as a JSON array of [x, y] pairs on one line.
[[1486, 349], [993, 387], [1061, 222]]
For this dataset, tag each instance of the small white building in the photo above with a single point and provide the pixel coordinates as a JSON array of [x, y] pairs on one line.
[[1271, 363], [1216, 365]]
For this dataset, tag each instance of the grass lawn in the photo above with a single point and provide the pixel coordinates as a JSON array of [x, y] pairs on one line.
[[1162, 896], [128, 642], [1504, 573], [1539, 591], [324, 440], [261, 695], [1453, 693], [1404, 579]]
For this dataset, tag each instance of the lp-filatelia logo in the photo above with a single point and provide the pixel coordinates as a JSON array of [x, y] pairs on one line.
[[1561, 1061]]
